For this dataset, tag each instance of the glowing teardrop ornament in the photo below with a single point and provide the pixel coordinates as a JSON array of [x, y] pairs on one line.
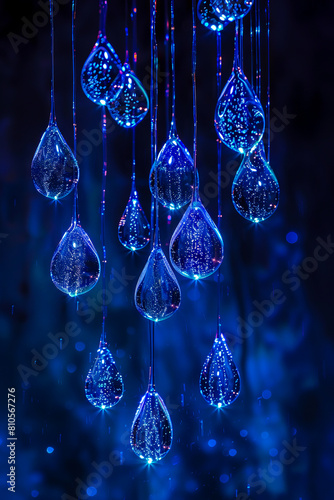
[[230, 10], [239, 117], [209, 17], [75, 265], [175, 173], [219, 380], [104, 384], [131, 103], [151, 432], [255, 189], [134, 229], [54, 169], [157, 294], [196, 248], [102, 65]]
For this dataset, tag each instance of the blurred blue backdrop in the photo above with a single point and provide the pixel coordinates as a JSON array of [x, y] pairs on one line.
[[278, 436]]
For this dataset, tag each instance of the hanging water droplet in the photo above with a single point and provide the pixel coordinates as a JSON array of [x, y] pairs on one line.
[[196, 248], [131, 103], [229, 10], [102, 65], [157, 294], [104, 384], [175, 174], [255, 190], [75, 265], [208, 16], [54, 169], [219, 379], [239, 117], [134, 229], [151, 432]]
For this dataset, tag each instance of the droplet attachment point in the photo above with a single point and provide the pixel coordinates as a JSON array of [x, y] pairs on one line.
[[219, 379], [54, 169], [152, 432], [75, 265], [104, 384]]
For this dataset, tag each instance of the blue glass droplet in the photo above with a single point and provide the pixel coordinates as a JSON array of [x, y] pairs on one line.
[[219, 379], [255, 190], [196, 247], [157, 294], [175, 174], [99, 71], [239, 117], [54, 169], [104, 384], [131, 103], [75, 265], [152, 432], [208, 16], [229, 10], [133, 228]]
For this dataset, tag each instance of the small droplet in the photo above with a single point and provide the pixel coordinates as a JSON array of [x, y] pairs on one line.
[[54, 169], [157, 294], [133, 228], [175, 174], [196, 248], [131, 103], [151, 432], [230, 10], [104, 384], [255, 190], [219, 379], [75, 266], [208, 16], [239, 117], [99, 71]]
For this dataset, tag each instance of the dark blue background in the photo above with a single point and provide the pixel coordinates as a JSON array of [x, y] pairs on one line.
[[285, 362]]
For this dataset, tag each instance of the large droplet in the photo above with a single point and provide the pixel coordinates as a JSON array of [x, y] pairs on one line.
[[196, 248], [175, 174], [230, 10], [134, 229], [152, 432], [219, 379], [209, 17], [255, 190], [239, 117], [75, 265], [157, 294], [131, 103], [104, 384], [54, 169], [99, 71]]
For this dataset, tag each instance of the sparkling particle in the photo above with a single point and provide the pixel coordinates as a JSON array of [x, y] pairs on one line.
[[266, 394], [232, 452], [265, 435], [224, 478], [50, 449], [34, 493], [273, 452], [212, 443], [292, 237], [243, 433], [91, 491], [80, 346]]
